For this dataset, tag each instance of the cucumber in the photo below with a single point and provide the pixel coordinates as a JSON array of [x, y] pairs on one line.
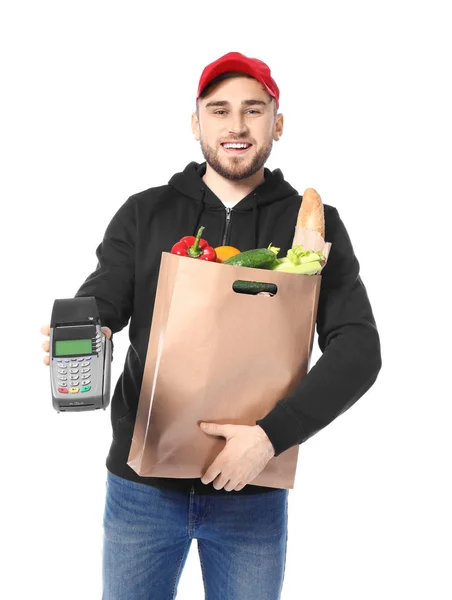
[[261, 258], [253, 287]]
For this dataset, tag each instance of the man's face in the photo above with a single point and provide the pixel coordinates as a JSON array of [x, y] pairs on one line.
[[236, 120]]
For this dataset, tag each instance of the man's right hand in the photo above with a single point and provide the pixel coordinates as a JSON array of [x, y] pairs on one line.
[[45, 330]]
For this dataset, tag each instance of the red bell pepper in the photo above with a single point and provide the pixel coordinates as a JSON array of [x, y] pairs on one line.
[[195, 247]]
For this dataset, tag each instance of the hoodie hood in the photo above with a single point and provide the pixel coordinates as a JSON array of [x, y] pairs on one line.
[[189, 182]]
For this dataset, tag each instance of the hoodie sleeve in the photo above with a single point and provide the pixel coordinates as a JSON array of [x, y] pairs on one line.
[[350, 345], [112, 283]]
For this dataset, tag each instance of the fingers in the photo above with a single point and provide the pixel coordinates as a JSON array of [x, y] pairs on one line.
[[45, 330]]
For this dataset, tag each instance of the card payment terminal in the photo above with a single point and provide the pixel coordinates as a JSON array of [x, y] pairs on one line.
[[80, 356]]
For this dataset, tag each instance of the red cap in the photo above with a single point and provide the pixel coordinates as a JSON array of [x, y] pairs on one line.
[[235, 61]]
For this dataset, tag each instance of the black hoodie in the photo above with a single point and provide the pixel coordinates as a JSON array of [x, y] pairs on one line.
[[125, 280]]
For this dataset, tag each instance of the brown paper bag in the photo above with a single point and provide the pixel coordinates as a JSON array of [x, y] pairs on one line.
[[220, 356]]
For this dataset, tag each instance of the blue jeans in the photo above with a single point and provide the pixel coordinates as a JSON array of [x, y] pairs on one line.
[[242, 542]]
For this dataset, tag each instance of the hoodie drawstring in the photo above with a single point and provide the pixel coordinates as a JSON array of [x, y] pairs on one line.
[[198, 214], [255, 218]]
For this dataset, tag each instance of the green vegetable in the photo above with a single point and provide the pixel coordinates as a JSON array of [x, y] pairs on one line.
[[299, 260], [262, 258]]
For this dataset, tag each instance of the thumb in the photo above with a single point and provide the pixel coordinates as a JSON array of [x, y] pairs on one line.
[[107, 332], [215, 429], [210, 427]]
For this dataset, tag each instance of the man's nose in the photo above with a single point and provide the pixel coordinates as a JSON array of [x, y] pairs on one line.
[[236, 124]]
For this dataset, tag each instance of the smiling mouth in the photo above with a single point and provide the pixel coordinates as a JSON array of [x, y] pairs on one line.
[[236, 150]]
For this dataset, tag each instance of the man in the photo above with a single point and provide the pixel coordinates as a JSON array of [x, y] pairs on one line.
[[241, 529]]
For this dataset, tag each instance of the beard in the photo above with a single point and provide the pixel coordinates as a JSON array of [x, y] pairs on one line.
[[236, 168]]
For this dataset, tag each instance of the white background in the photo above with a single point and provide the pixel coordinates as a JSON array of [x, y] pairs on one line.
[[96, 105]]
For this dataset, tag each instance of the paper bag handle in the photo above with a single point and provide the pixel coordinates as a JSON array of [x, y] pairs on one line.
[[241, 286]]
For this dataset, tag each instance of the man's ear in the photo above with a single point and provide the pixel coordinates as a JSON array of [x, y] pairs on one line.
[[195, 126], [279, 126]]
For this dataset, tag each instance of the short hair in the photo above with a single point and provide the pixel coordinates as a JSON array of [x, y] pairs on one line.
[[229, 75]]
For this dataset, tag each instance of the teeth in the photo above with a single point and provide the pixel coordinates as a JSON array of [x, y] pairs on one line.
[[235, 145]]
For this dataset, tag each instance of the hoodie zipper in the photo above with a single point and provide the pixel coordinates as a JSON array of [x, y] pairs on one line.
[[228, 218]]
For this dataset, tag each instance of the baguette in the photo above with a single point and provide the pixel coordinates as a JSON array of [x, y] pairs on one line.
[[310, 215]]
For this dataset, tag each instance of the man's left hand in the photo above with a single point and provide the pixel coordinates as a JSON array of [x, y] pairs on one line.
[[245, 455]]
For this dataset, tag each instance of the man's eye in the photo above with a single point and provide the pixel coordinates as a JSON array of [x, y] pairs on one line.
[[251, 110]]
